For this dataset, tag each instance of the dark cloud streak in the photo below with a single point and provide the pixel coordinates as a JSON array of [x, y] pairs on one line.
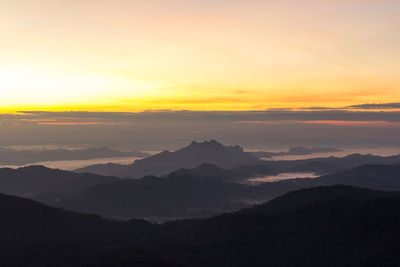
[[376, 106]]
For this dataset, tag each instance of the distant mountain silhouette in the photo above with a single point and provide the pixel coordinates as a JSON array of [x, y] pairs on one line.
[[299, 150], [231, 175], [153, 197], [323, 226], [191, 156], [39, 179], [23, 157], [378, 177], [224, 157], [331, 164]]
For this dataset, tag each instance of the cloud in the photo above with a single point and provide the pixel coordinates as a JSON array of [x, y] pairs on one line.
[[153, 130], [309, 114], [376, 106], [345, 123]]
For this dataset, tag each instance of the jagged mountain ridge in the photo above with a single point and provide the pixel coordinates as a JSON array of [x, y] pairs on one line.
[[191, 156]]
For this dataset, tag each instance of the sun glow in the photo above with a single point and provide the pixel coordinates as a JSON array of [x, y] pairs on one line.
[[30, 88], [197, 55]]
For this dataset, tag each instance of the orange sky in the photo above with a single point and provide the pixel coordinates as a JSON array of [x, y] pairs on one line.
[[125, 55]]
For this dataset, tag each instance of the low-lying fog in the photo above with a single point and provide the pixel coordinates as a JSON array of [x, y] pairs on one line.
[[280, 177]]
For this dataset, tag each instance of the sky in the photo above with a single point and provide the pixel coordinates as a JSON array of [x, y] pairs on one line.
[[133, 56]]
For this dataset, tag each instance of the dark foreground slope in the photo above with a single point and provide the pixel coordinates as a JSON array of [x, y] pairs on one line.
[[324, 226], [199, 193], [32, 234], [334, 226]]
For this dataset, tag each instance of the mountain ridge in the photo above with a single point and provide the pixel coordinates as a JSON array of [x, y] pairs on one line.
[[188, 157]]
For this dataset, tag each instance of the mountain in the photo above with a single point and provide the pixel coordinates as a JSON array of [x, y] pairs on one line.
[[155, 198], [323, 226], [331, 164], [373, 176], [299, 150], [191, 156], [33, 234], [23, 157], [203, 192], [38, 179], [236, 174]]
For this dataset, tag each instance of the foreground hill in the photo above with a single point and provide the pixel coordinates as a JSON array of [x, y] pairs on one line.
[[186, 193], [39, 179], [191, 156], [324, 226], [33, 234], [334, 226]]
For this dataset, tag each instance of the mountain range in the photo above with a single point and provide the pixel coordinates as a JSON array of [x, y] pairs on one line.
[[299, 150], [38, 179], [231, 157], [191, 156], [185, 194]]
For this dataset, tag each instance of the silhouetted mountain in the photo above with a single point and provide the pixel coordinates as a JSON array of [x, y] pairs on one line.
[[22, 157], [39, 179], [191, 156], [33, 234], [154, 197], [334, 226], [199, 193], [378, 177], [331, 164], [231, 175], [295, 151], [324, 226], [206, 170]]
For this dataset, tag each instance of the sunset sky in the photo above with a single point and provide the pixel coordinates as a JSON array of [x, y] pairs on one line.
[[127, 55]]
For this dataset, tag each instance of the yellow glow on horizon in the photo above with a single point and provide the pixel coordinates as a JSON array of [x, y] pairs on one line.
[[197, 55]]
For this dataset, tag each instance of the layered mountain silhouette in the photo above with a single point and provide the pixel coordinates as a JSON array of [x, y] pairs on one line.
[[323, 226], [331, 164], [38, 179], [236, 174], [191, 156], [231, 157], [187, 193], [298, 150]]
